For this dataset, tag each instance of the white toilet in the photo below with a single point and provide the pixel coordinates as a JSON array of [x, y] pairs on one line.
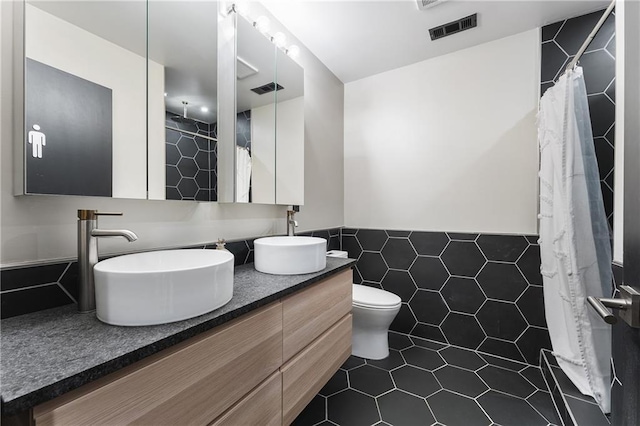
[[373, 311]]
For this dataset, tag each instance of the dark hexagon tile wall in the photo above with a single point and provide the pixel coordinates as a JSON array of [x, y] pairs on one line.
[[478, 291], [560, 42], [243, 129]]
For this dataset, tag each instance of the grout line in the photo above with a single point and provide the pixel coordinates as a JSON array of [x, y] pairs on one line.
[[582, 400], [13, 290], [375, 399], [538, 411], [553, 400], [482, 408], [480, 353], [562, 395], [64, 272], [66, 292]]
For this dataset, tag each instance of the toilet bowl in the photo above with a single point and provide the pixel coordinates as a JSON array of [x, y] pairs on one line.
[[373, 311]]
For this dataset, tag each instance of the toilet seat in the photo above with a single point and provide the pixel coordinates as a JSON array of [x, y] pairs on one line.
[[374, 298]]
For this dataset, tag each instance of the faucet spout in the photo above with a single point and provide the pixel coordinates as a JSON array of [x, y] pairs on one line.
[[129, 235], [88, 234], [292, 224]]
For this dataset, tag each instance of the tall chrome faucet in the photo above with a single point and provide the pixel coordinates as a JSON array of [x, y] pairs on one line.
[[292, 224], [88, 234]]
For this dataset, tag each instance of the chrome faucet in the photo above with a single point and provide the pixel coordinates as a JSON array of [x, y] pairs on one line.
[[292, 224], [88, 234]]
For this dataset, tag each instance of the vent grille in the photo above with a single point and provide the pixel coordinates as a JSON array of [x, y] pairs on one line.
[[463, 24], [244, 69], [267, 88], [426, 4]]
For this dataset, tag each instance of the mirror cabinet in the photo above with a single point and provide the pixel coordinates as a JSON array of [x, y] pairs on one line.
[[268, 110], [85, 98], [183, 152], [255, 135], [158, 100]]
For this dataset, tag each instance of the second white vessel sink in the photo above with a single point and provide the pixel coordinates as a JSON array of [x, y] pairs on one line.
[[162, 286], [290, 255]]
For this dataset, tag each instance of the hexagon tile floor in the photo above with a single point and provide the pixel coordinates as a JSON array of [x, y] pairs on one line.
[[427, 383]]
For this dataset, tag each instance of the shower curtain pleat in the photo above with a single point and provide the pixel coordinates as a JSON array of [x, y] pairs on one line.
[[575, 244]]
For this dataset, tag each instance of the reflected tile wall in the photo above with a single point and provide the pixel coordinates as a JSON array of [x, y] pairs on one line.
[[191, 161]]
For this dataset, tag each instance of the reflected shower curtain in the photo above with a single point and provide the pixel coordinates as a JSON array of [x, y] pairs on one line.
[[574, 237], [243, 174]]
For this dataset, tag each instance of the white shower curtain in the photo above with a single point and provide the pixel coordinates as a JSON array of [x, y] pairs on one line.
[[574, 237]]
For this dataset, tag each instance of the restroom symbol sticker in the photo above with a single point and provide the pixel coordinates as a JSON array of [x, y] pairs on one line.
[[37, 139]]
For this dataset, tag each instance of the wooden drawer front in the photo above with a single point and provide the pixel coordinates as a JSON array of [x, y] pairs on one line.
[[309, 313], [262, 407], [191, 386], [309, 371]]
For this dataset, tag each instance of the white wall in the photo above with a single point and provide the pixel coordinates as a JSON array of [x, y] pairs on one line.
[[448, 144], [324, 174], [36, 228], [278, 159], [631, 216], [157, 135], [263, 154], [289, 152], [618, 170], [57, 43]]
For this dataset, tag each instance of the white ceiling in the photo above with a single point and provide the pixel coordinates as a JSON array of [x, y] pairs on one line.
[[357, 39]]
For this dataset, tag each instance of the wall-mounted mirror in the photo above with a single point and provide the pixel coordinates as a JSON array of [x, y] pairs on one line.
[[289, 131], [85, 98], [256, 116], [269, 138], [183, 148], [121, 100]]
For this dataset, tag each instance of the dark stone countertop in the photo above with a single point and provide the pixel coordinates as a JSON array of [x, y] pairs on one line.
[[48, 353]]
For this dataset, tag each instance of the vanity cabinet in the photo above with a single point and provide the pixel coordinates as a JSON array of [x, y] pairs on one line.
[[305, 374], [311, 312], [234, 374], [263, 406], [190, 383], [316, 340]]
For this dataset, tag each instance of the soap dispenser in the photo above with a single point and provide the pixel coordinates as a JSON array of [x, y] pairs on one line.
[[220, 245]]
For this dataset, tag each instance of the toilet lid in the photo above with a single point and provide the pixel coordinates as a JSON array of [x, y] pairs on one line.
[[370, 297]]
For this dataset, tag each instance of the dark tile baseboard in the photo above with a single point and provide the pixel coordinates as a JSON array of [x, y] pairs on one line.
[[573, 408]]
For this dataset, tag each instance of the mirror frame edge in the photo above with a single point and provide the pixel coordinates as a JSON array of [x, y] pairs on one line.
[[19, 113], [226, 134]]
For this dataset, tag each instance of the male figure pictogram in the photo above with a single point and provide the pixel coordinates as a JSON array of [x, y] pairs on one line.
[[37, 139]]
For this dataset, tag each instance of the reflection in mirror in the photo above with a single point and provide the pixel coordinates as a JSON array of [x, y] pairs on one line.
[[255, 120], [289, 131], [85, 98], [183, 150]]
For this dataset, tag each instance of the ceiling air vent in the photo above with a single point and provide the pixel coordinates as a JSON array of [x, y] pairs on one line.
[[426, 4], [244, 69], [454, 27], [267, 88]]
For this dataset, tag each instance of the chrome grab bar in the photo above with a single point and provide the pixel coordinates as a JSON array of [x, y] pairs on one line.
[[628, 304]]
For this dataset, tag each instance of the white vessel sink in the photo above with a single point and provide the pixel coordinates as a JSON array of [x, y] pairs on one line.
[[162, 286], [290, 255]]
